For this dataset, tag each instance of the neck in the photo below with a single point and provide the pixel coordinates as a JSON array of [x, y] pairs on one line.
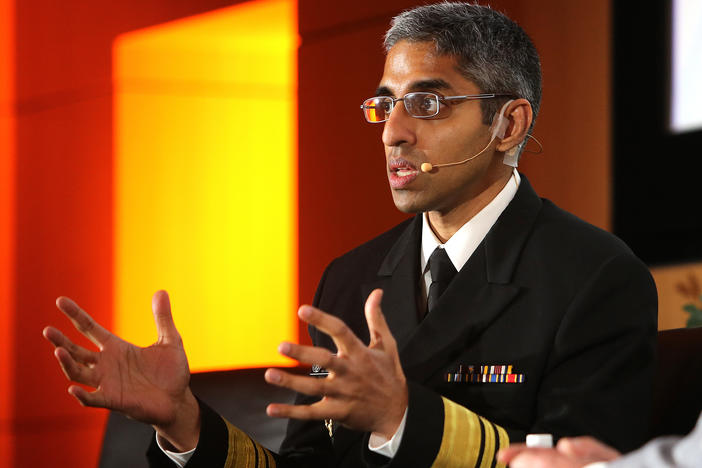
[[444, 224]]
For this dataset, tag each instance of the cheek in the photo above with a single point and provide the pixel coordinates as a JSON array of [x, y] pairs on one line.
[[444, 145], [458, 145]]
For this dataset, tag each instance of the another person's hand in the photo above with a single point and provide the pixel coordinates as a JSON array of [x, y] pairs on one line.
[[365, 390], [150, 384], [569, 453]]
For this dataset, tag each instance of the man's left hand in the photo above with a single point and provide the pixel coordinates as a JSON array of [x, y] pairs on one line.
[[366, 389]]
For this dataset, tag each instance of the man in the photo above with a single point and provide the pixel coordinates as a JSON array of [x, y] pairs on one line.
[[671, 451], [489, 315]]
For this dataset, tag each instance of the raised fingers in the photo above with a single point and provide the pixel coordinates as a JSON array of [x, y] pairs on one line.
[[75, 371], [78, 353], [343, 337], [161, 307], [313, 355], [86, 398], [300, 383], [320, 410], [380, 334], [83, 322]]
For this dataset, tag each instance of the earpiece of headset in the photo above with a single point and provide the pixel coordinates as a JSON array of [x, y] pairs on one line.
[[500, 122], [499, 129]]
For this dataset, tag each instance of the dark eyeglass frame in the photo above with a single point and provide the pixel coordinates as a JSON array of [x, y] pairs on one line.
[[368, 103]]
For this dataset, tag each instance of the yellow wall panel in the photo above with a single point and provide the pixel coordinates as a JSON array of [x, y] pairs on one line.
[[206, 182]]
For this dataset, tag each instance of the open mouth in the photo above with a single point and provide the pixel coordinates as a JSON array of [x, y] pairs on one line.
[[401, 172], [401, 167]]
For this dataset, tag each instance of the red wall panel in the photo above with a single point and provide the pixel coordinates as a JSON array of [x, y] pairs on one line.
[[573, 39], [7, 227], [63, 247], [341, 156]]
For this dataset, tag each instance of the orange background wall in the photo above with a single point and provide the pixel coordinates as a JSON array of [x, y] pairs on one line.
[[55, 203]]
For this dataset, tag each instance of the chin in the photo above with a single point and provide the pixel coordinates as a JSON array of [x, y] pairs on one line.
[[408, 204], [408, 209]]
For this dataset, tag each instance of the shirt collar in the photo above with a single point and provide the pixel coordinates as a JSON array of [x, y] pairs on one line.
[[464, 242]]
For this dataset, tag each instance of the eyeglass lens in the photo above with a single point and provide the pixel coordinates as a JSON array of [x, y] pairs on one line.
[[422, 104], [378, 109]]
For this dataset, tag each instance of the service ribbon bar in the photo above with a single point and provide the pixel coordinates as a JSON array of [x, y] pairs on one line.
[[485, 374]]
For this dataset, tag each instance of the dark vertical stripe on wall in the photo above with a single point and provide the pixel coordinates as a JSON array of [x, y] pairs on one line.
[[656, 173]]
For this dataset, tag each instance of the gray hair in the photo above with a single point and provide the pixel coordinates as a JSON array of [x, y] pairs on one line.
[[492, 51]]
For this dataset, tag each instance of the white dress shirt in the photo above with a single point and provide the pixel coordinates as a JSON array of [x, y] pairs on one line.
[[459, 249]]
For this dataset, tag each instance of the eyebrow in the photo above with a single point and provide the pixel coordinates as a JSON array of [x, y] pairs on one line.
[[422, 85]]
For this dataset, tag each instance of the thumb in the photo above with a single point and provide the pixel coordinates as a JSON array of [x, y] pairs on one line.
[[161, 307], [380, 335]]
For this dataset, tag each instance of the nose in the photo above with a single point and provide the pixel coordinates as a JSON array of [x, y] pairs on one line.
[[400, 128]]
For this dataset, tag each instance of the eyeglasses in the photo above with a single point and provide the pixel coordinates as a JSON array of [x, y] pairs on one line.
[[420, 105]]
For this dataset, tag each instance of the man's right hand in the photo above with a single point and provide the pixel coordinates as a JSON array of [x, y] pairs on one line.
[[149, 384]]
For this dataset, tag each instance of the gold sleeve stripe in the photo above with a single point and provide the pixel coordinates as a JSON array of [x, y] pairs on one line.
[[488, 444], [270, 462], [495, 439], [503, 440], [468, 439], [244, 452]]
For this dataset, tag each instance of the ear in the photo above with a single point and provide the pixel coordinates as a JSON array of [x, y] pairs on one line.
[[520, 116]]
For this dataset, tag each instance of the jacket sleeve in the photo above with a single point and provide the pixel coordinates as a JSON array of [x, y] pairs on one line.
[[442, 434], [221, 445]]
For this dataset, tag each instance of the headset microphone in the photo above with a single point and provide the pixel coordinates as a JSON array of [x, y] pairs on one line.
[[498, 130]]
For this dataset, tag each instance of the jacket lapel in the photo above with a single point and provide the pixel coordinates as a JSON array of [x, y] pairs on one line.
[[398, 277], [467, 307], [479, 293]]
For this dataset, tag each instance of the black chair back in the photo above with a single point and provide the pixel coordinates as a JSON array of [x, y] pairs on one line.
[[240, 396], [678, 384]]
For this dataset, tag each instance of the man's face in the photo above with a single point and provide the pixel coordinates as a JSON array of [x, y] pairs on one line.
[[455, 134]]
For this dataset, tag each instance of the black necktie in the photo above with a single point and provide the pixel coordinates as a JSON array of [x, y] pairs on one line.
[[442, 272]]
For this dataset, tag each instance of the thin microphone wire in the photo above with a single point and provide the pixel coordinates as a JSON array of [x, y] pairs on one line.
[[541, 147], [465, 160], [432, 166]]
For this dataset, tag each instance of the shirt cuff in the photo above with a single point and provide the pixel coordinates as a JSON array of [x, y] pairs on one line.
[[179, 458], [596, 465], [379, 444]]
